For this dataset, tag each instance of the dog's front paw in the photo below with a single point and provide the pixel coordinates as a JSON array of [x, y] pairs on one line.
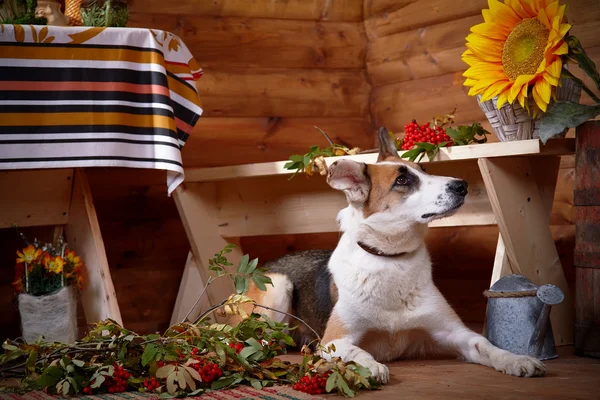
[[521, 366], [379, 372]]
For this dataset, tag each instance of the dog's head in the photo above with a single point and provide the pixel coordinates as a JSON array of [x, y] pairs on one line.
[[394, 189]]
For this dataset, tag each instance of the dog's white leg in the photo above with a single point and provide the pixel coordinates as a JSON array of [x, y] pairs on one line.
[[477, 349], [345, 342]]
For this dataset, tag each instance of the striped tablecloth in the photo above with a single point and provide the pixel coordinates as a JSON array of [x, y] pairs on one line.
[[95, 97]]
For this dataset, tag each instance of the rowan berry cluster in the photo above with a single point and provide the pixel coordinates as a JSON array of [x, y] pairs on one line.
[[312, 385], [237, 346], [151, 384], [208, 371], [413, 133]]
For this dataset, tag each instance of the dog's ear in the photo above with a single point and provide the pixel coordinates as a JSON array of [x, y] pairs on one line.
[[387, 145], [351, 177]]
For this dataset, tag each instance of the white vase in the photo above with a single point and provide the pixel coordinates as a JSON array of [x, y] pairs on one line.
[[53, 316]]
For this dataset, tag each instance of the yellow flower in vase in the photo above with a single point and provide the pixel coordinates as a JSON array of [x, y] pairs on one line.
[[518, 47], [54, 264], [28, 255], [73, 259]]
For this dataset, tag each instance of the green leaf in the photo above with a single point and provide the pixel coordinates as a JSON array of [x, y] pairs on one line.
[[65, 387], [195, 392], [413, 154], [221, 383], [99, 381], [165, 371], [306, 160], [562, 115], [241, 284], [331, 382], [31, 360], [256, 384], [252, 266], [343, 385], [247, 351], [79, 363], [261, 280], [254, 344], [50, 377], [149, 354], [425, 145], [122, 352], [243, 264]]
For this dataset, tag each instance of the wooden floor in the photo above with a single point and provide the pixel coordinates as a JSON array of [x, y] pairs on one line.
[[567, 377]]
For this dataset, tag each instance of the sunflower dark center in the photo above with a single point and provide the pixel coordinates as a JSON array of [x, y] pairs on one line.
[[524, 49]]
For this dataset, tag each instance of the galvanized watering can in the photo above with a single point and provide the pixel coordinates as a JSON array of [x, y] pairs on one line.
[[518, 316]]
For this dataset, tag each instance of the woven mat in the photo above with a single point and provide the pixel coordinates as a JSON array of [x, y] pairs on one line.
[[239, 393]]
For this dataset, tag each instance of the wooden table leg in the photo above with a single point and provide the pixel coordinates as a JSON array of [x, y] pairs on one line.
[[196, 203], [521, 191], [98, 296]]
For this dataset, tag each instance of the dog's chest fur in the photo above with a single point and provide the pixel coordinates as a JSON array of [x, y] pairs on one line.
[[387, 292]]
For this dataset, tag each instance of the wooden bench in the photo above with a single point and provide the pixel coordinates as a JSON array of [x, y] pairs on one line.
[[511, 184]]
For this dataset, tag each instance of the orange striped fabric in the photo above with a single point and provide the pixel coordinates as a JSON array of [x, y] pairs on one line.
[[80, 96]]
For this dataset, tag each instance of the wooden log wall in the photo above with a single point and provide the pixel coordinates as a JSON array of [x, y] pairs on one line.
[[274, 70]]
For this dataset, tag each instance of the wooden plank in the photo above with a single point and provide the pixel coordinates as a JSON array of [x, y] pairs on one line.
[[196, 203], [429, 51], [189, 290], [470, 152], [254, 140], [35, 197], [274, 205], [338, 10], [427, 98], [268, 92], [524, 224], [387, 17], [83, 233], [582, 11], [258, 42]]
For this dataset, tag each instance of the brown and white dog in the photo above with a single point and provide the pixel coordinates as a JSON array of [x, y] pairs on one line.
[[373, 296]]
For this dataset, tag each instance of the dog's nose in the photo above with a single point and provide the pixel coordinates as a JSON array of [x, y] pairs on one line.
[[459, 187]]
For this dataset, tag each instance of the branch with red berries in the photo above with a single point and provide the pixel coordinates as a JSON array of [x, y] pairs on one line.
[[188, 359], [429, 138]]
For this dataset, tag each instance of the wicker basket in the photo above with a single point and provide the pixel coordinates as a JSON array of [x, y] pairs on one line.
[[512, 122]]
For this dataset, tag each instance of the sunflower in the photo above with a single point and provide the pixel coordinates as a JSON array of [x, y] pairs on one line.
[[519, 46]]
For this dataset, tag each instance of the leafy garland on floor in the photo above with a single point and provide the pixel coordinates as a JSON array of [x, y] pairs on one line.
[[188, 359]]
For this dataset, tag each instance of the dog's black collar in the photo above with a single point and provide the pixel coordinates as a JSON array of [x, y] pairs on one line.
[[376, 252]]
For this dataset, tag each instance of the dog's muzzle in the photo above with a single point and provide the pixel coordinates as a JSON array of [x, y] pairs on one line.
[[458, 187]]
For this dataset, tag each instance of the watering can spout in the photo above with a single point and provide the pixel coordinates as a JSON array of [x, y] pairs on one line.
[[549, 295]]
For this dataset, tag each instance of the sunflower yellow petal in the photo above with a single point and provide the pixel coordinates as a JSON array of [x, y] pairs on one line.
[[554, 68], [484, 69], [538, 100], [494, 90], [469, 82], [543, 18], [562, 49], [552, 10], [503, 14], [564, 29], [484, 48], [518, 8], [522, 80], [543, 89], [492, 31], [502, 99], [551, 80]]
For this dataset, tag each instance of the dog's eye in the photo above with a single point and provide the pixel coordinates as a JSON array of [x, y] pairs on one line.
[[402, 180]]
